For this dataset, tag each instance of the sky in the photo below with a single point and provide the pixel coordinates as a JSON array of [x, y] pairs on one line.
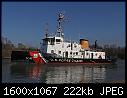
[[24, 22]]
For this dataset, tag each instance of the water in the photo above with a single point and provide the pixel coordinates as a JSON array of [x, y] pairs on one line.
[[19, 72]]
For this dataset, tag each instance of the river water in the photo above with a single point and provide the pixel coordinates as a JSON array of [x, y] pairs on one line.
[[21, 72]]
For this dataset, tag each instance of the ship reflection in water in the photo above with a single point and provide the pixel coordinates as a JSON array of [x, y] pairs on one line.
[[75, 74], [32, 73], [26, 73], [57, 74]]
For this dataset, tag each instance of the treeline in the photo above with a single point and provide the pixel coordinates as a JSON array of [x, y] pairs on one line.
[[8, 47], [112, 50], [115, 52]]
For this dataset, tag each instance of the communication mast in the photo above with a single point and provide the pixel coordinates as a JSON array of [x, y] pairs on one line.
[[60, 25], [46, 30]]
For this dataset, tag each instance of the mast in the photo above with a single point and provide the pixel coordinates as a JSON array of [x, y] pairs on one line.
[[59, 25], [46, 30]]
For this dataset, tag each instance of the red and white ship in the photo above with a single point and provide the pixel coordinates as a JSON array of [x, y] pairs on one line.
[[56, 50]]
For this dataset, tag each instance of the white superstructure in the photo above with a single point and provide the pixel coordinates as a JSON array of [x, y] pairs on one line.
[[57, 46]]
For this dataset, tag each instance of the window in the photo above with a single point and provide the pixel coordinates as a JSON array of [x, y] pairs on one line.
[[70, 52], [52, 41], [52, 51], [58, 40], [45, 41], [68, 45], [59, 52], [87, 53], [76, 53]]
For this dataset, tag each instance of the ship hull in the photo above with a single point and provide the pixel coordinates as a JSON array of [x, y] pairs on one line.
[[79, 61], [37, 57]]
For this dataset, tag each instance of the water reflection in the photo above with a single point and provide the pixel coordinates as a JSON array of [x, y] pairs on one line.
[[75, 74], [35, 72], [28, 72], [57, 74], [32, 73]]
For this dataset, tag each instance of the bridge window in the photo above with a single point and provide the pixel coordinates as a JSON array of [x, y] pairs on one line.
[[52, 41], [58, 40], [45, 41]]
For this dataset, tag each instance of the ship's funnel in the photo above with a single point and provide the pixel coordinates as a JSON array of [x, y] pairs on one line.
[[84, 43]]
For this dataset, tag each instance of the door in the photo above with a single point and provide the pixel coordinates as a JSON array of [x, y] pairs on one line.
[[66, 54], [91, 55]]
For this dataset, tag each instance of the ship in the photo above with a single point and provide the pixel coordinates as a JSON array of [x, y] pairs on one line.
[[55, 49]]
